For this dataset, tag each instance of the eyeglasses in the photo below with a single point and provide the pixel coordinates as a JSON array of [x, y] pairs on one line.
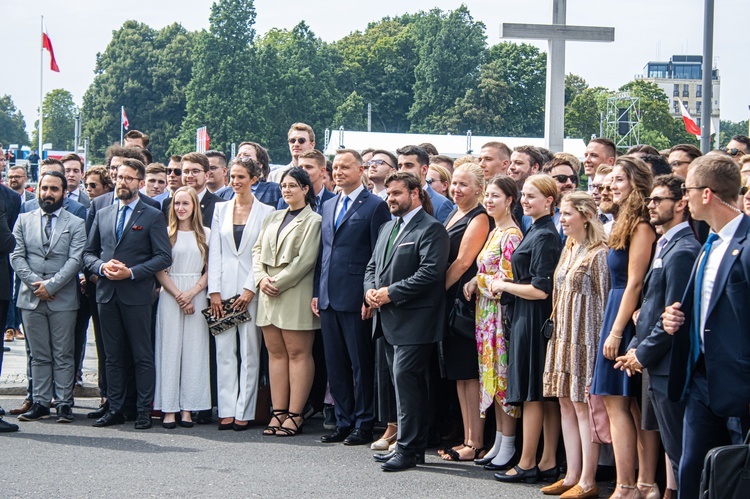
[[378, 162], [657, 200], [126, 180], [596, 187], [733, 151], [563, 178], [92, 185], [685, 189], [176, 171], [194, 173], [15, 177], [295, 140], [606, 187], [676, 164], [213, 168], [288, 186], [743, 190]]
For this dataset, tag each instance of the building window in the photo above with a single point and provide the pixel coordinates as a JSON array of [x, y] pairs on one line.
[[698, 107], [699, 90], [685, 103], [676, 91], [676, 107], [698, 122], [686, 90]]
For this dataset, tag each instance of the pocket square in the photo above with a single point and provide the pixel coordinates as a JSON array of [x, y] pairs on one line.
[[405, 244], [137, 227]]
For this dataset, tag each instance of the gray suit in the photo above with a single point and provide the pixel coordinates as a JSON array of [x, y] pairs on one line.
[[414, 320], [49, 324]]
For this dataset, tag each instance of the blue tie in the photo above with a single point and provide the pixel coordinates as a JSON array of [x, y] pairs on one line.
[[697, 296], [121, 222], [342, 213]]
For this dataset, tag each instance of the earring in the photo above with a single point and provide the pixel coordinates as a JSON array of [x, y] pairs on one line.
[[586, 225]]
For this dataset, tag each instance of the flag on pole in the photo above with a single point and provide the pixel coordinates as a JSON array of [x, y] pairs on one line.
[[690, 125], [47, 44], [124, 119], [202, 140]]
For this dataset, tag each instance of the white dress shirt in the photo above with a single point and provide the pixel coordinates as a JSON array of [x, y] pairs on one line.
[[352, 197]]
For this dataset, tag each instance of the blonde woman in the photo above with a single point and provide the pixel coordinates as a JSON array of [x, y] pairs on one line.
[[580, 292], [440, 180], [468, 226], [181, 350]]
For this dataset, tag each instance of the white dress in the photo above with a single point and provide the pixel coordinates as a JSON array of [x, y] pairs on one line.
[[182, 357]]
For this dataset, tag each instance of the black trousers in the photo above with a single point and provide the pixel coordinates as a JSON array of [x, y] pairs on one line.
[[409, 365], [127, 335], [347, 341]]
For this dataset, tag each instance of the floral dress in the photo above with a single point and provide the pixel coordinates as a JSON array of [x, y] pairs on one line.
[[493, 263]]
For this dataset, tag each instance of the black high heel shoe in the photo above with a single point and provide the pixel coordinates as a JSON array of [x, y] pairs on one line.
[[290, 432]]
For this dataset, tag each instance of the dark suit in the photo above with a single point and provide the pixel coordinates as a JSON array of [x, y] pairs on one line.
[[207, 207], [107, 199], [127, 304], [339, 274], [324, 196], [413, 321], [718, 386], [267, 193], [12, 201], [7, 244], [441, 205], [665, 283]]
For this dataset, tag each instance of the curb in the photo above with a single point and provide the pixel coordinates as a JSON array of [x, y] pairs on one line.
[[87, 390]]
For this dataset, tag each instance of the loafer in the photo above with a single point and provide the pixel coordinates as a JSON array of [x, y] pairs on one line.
[[522, 475], [10, 335], [577, 492], [37, 412], [358, 436], [399, 462], [110, 418], [143, 421], [384, 458], [556, 488], [64, 414], [6, 427], [25, 406], [101, 411], [338, 435]]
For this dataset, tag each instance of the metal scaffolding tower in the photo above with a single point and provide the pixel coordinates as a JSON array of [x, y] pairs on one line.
[[623, 120]]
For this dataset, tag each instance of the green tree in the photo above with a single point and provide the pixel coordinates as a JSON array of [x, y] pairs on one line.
[[451, 50], [352, 113], [583, 114], [728, 129], [59, 121], [146, 71], [226, 92], [12, 124], [574, 86]]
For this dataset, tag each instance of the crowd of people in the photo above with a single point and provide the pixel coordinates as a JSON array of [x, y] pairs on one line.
[[428, 292]]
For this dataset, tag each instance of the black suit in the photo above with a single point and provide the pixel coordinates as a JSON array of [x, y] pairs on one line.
[[343, 257], [207, 207], [7, 244], [127, 304], [414, 319], [664, 284], [107, 199]]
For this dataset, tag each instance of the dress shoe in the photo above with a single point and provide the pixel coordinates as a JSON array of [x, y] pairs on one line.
[[399, 462], [19, 335], [329, 417], [131, 415], [143, 421], [2, 411], [226, 426], [338, 435], [25, 406], [556, 488], [578, 493], [110, 418], [169, 426], [384, 458], [64, 414], [522, 475], [358, 436], [37, 412], [10, 335], [185, 424], [550, 475], [483, 461], [204, 417], [6, 427], [499, 467], [6, 349], [100, 412]]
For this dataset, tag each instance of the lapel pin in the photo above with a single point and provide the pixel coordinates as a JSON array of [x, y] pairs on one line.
[[735, 252]]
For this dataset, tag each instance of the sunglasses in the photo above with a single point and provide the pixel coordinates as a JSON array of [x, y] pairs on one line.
[[686, 189], [176, 171], [563, 178], [295, 140], [733, 151], [657, 200], [92, 185], [378, 162]]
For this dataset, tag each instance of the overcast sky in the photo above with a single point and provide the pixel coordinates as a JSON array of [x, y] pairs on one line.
[[645, 30]]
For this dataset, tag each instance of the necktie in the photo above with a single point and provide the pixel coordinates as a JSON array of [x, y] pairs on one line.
[[121, 222], [697, 296], [342, 213], [660, 246], [392, 237], [48, 226]]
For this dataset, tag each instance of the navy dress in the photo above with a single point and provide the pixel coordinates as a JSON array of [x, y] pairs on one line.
[[533, 262], [608, 380]]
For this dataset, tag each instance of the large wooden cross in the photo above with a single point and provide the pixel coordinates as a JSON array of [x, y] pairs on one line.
[[556, 34]]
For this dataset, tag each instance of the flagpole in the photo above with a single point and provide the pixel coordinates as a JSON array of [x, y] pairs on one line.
[[122, 110], [41, 91]]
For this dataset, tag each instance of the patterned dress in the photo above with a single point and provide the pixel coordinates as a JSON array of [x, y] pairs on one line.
[[493, 263], [581, 288]]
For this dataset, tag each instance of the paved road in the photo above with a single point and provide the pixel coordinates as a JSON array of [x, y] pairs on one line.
[[47, 459]]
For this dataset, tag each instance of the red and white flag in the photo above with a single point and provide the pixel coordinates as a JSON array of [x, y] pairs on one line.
[[47, 44], [124, 119], [690, 125]]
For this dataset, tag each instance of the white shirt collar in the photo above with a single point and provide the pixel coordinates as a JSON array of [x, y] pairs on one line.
[[201, 194], [407, 218], [56, 212], [667, 236], [727, 232], [352, 195]]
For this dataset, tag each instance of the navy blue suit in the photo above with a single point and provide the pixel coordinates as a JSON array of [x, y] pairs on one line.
[[339, 278], [441, 206], [665, 283], [717, 410]]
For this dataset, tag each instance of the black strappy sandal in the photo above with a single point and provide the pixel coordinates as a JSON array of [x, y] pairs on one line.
[[271, 429], [289, 432]]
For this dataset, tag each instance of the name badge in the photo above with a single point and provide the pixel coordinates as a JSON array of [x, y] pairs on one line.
[[658, 263]]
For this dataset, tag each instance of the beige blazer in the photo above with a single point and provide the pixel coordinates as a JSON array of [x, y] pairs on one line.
[[289, 258]]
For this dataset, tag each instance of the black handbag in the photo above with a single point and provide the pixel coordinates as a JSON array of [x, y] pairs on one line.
[[231, 317], [462, 319], [726, 472], [549, 325]]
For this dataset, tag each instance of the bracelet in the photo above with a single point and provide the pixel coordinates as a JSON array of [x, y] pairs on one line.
[[615, 336]]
